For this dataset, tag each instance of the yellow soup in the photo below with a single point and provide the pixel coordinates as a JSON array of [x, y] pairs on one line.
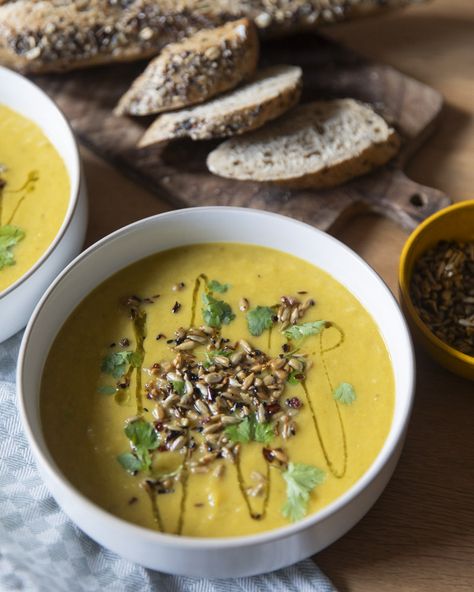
[[217, 390], [34, 195]]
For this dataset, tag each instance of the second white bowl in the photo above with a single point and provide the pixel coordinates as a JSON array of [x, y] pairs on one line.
[[18, 300]]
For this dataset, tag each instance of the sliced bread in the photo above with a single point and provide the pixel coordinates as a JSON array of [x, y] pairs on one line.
[[268, 94], [318, 144], [194, 70]]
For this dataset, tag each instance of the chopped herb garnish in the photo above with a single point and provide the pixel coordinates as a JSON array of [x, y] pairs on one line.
[[240, 432], [263, 432], [210, 355], [178, 386], [216, 312], [107, 390], [300, 479], [9, 237], [143, 438], [215, 286], [344, 393], [249, 430], [129, 462], [259, 319], [304, 330], [295, 377], [117, 363]]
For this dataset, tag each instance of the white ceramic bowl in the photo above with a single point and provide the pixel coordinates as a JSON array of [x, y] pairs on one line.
[[18, 300], [221, 557]]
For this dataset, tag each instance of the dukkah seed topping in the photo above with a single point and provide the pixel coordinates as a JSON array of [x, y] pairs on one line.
[[215, 394], [197, 395]]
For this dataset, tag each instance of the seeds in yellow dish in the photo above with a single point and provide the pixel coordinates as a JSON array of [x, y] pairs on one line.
[[217, 390], [34, 195]]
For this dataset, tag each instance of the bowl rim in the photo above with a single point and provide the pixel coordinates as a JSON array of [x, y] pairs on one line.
[[47, 465], [75, 185], [404, 282]]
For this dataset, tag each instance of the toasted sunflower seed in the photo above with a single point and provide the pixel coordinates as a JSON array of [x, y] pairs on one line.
[[178, 443], [187, 345], [243, 304]]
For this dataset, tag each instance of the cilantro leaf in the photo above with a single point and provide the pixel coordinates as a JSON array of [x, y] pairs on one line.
[[9, 237], [117, 363], [294, 377], [107, 390], [215, 286], [259, 319], [178, 386], [129, 462], [249, 429], [143, 438], [344, 393], [216, 312], [304, 330], [142, 434], [264, 432], [240, 432], [300, 479]]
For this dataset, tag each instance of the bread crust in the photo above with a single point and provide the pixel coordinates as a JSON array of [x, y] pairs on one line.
[[204, 122], [53, 35], [194, 70]]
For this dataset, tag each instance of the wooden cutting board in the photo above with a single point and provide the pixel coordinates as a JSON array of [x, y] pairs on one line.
[[177, 172]]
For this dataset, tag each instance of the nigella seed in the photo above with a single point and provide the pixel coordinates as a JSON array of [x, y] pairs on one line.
[[132, 500], [160, 336], [176, 307], [285, 347]]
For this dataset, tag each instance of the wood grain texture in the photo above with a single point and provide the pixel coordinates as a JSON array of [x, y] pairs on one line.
[[178, 171]]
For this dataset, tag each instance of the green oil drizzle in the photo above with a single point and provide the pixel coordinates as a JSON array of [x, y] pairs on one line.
[[140, 331], [197, 284], [240, 479], [338, 473]]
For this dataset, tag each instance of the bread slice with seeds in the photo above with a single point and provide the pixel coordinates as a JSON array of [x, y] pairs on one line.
[[267, 95], [318, 144], [194, 70]]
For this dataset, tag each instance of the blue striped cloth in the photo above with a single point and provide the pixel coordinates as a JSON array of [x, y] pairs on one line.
[[41, 550]]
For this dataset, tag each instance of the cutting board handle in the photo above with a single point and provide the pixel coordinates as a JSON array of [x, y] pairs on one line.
[[405, 201]]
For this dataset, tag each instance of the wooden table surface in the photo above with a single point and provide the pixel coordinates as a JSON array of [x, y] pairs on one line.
[[420, 534]]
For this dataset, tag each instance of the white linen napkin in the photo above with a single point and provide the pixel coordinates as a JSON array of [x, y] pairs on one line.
[[41, 550]]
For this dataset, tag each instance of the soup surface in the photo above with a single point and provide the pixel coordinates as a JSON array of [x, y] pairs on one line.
[[217, 390], [34, 195]]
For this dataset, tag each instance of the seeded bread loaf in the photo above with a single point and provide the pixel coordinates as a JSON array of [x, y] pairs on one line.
[[318, 144], [52, 35], [194, 70], [267, 95]]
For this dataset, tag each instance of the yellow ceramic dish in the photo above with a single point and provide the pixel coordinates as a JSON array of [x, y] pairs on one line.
[[453, 223]]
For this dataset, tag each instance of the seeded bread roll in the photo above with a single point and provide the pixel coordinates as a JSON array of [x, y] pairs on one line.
[[319, 144], [267, 95], [194, 70], [52, 35], [55, 35]]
